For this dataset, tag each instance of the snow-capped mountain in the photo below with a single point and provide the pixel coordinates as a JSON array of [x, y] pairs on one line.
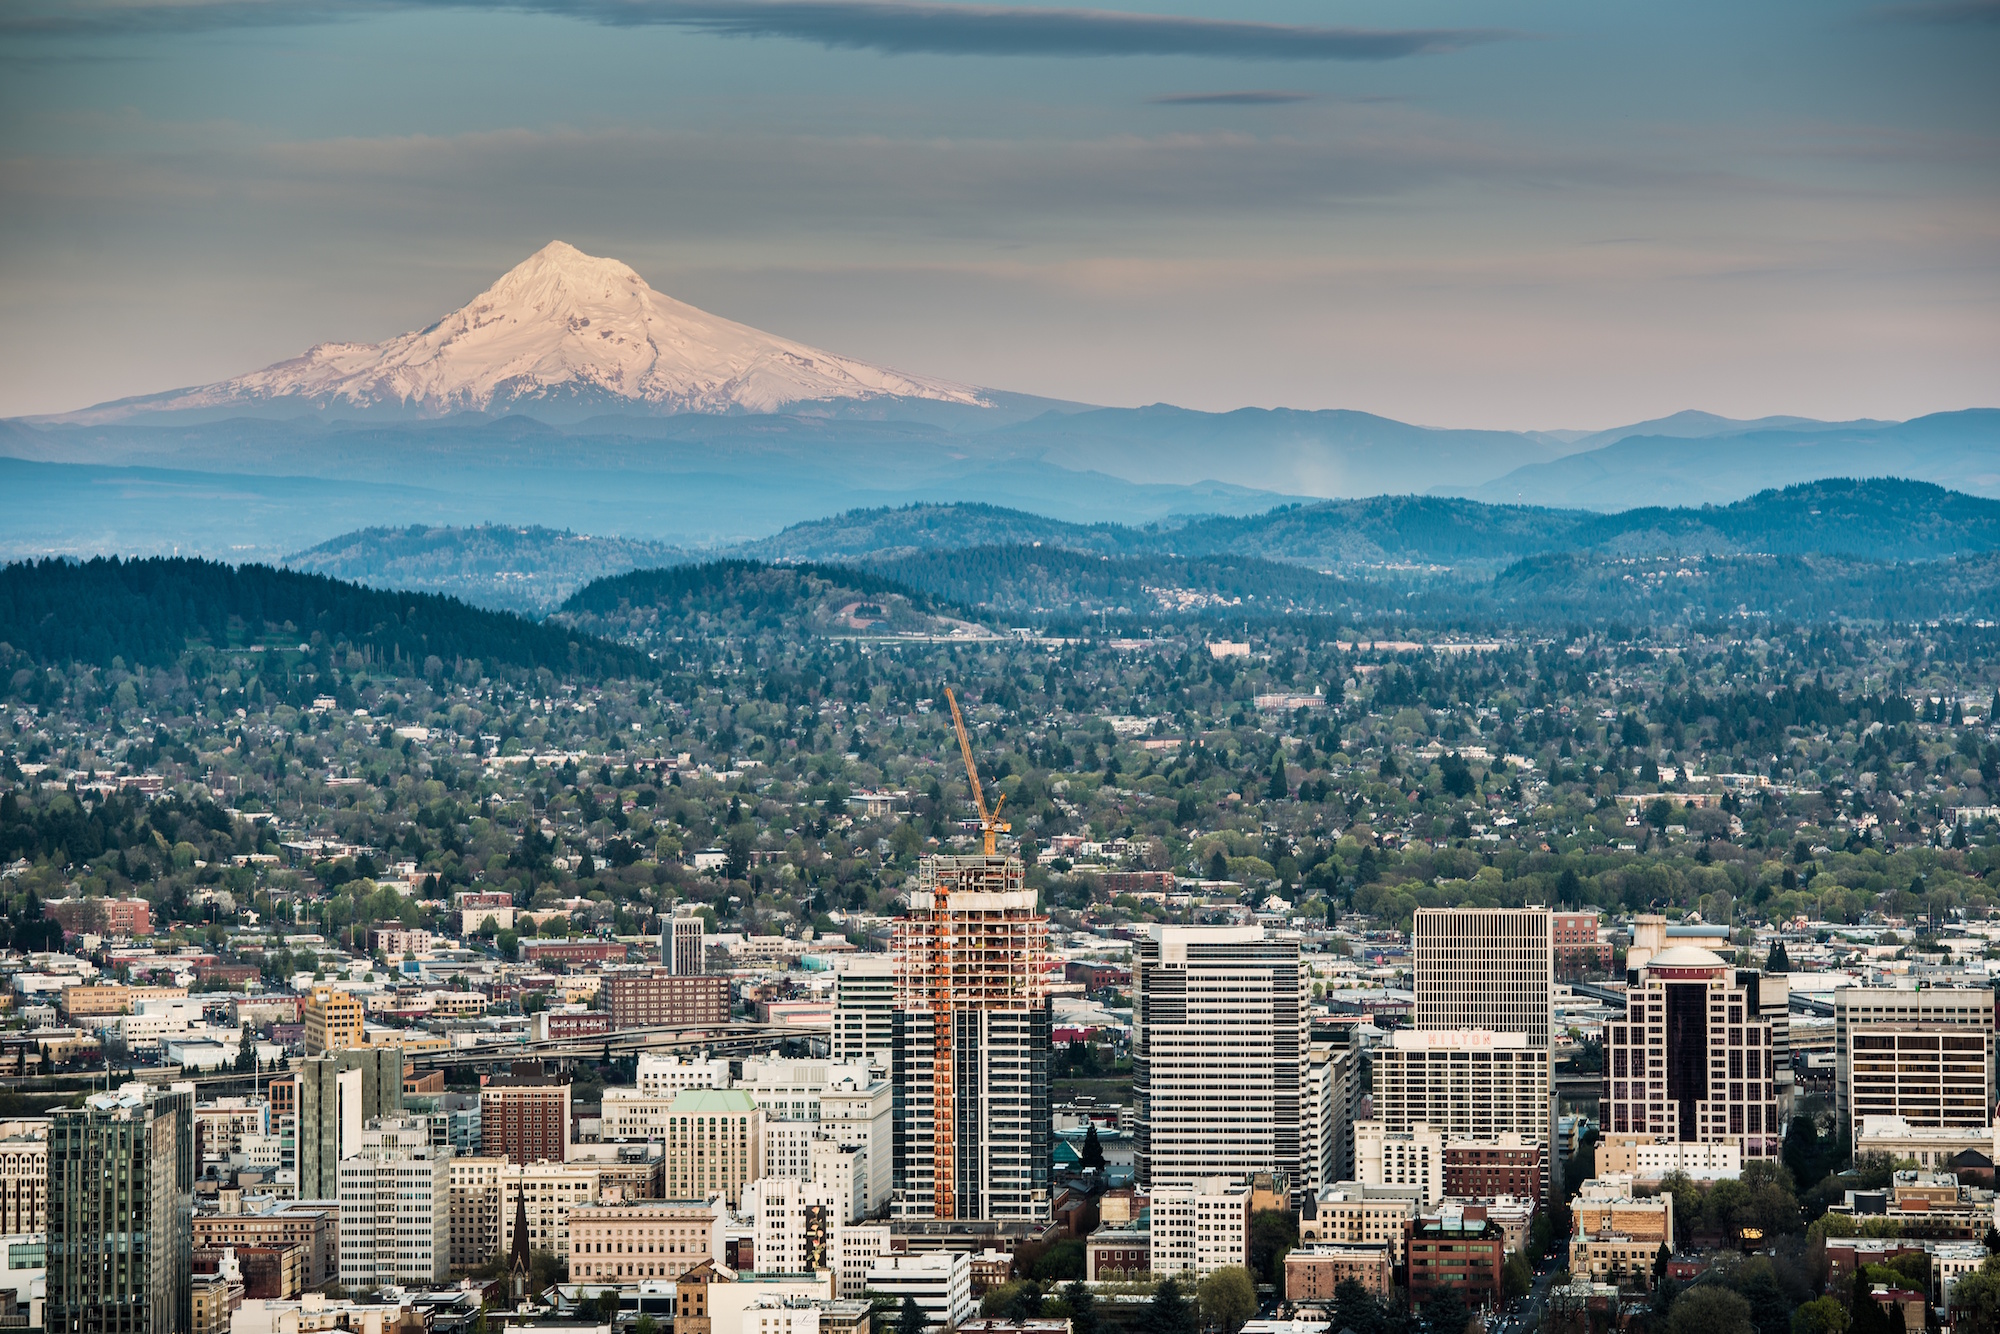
[[563, 328]]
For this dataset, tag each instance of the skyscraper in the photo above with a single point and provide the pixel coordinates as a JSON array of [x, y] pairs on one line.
[[1219, 1046], [864, 1011], [1483, 976], [1926, 1056], [121, 1214], [338, 1095], [395, 1207], [1696, 1058], [684, 945], [1484, 968], [970, 1062]]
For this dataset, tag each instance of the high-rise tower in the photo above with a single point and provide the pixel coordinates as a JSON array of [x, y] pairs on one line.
[[1219, 1044], [121, 1214], [971, 1044]]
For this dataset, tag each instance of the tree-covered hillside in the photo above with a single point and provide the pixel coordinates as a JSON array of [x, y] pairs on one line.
[[149, 612]]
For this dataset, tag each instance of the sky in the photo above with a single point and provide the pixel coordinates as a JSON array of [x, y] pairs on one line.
[[1495, 213]]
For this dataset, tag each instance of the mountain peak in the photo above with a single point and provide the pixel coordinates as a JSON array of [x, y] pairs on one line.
[[567, 328]]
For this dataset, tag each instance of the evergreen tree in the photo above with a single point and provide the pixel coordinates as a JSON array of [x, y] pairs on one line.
[[1082, 1308], [1778, 961], [910, 1319], [1093, 1151], [1168, 1313]]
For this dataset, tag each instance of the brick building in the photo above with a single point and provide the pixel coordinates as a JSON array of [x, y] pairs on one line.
[[104, 917], [524, 1115], [1576, 947], [1457, 1249], [313, 1225], [1313, 1272], [1509, 1165], [659, 999]]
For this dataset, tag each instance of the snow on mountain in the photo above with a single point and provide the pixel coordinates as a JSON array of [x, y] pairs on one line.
[[566, 327]]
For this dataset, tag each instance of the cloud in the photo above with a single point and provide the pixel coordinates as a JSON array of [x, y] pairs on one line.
[[1250, 98], [894, 27]]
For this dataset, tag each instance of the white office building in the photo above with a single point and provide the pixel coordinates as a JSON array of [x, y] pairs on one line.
[[395, 1208], [939, 1281], [1219, 1054], [1487, 968], [1200, 1227], [864, 1010], [1412, 1157]]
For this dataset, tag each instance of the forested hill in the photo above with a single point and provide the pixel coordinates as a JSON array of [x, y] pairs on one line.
[[149, 612], [528, 570], [750, 597], [1881, 519]]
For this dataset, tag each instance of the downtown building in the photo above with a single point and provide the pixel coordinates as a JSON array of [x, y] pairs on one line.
[[1699, 1056], [121, 1214], [338, 1095], [1480, 1062], [1220, 1058], [395, 1208], [1924, 1056], [970, 1046]]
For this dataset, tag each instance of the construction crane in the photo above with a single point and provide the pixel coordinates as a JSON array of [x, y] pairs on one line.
[[991, 826]]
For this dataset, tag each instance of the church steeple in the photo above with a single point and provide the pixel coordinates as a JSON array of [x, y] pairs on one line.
[[517, 1264]]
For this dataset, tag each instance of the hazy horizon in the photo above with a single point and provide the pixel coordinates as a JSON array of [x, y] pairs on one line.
[[1541, 216]]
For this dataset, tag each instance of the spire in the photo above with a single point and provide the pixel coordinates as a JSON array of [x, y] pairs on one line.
[[517, 1265]]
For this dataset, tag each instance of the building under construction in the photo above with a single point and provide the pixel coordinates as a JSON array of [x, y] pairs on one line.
[[971, 1035], [971, 1047]]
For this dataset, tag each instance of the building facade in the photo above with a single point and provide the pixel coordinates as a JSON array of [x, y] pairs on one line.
[[121, 1214], [655, 998], [714, 1144], [629, 1243], [474, 1183], [970, 1045], [684, 945], [1459, 1250], [338, 1094], [1696, 1058], [24, 1175], [1926, 1056], [1314, 1273], [1487, 1168], [395, 1208], [524, 1116], [864, 1011], [1413, 1157], [1466, 1084], [333, 1021], [1219, 1054], [1199, 1227], [1488, 968]]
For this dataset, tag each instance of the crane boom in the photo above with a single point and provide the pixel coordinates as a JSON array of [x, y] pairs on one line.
[[990, 823]]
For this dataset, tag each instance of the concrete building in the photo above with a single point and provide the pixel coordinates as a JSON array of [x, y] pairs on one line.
[[395, 1208], [1327, 1111], [1219, 1054], [684, 945], [864, 1010], [1924, 1055], [662, 1074], [939, 1281], [313, 1226], [1199, 1227], [1696, 1058], [1928, 1146], [795, 1220], [1616, 1236], [655, 998], [549, 1193], [333, 1021], [1313, 1273], [24, 1175], [1349, 1212], [1484, 968], [1466, 1084], [628, 1243], [474, 1182], [121, 1214], [338, 1095], [970, 1051], [1413, 1157], [1645, 1157], [524, 1116], [714, 1145]]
